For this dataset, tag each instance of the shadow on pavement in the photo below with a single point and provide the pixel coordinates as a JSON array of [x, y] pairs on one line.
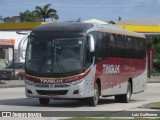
[[55, 103]]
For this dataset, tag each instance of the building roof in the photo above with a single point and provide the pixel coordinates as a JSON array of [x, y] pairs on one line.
[[95, 21], [140, 21], [20, 26], [14, 19]]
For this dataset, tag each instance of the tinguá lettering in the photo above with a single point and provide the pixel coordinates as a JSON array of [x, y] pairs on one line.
[[51, 81], [111, 69]]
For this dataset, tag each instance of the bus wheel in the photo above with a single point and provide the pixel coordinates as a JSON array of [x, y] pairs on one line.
[[93, 101], [118, 98], [44, 101], [125, 98]]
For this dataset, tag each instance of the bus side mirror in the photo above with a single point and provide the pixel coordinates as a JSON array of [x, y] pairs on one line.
[[91, 43]]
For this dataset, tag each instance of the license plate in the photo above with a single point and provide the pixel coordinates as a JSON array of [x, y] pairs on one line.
[[51, 95]]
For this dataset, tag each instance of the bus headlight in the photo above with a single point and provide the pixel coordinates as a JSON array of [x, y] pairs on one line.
[[29, 82], [76, 82]]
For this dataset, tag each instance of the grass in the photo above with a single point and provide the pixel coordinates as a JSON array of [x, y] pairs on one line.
[[155, 73], [110, 119], [154, 105]]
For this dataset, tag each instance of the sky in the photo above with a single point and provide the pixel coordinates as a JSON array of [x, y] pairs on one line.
[[69, 10]]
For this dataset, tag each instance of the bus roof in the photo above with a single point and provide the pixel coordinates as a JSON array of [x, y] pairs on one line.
[[66, 26], [81, 27], [117, 30]]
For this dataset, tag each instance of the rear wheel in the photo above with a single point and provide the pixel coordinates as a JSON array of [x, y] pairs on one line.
[[93, 101], [44, 101], [125, 98]]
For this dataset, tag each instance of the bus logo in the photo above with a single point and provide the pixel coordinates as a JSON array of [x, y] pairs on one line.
[[51, 81], [111, 69]]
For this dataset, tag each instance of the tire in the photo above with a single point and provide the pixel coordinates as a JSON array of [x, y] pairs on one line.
[[44, 101], [125, 98], [118, 98], [93, 101]]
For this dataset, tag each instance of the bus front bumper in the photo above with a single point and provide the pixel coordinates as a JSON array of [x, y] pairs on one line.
[[82, 90]]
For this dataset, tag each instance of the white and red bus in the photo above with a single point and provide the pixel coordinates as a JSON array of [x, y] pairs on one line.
[[84, 61]]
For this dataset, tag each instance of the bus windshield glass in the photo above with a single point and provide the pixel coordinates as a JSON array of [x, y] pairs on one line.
[[54, 56]]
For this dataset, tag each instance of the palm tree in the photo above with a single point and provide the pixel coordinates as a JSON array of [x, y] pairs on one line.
[[46, 12]]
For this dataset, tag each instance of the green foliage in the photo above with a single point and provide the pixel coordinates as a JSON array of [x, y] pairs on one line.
[[28, 16], [119, 18], [153, 105], [111, 22], [46, 12], [153, 41], [4, 19]]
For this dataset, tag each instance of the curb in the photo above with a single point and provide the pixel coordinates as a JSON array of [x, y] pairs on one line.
[[10, 86], [153, 81]]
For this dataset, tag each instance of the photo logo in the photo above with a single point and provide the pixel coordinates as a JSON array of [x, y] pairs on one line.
[[6, 114]]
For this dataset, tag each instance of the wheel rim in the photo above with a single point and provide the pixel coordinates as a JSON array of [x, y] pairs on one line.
[[129, 92], [96, 94]]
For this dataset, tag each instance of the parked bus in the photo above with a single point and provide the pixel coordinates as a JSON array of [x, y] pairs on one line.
[[84, 61]]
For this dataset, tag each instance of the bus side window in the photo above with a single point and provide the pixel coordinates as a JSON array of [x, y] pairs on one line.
[[129, 47], [142, 47], [121, 47], [111, 46], [100, 45], [136, 47]]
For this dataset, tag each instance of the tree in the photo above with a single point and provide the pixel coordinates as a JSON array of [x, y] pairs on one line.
[[46, 12], [111, 22], [153, 41], [6, 19], [28, 16], [119, 18]]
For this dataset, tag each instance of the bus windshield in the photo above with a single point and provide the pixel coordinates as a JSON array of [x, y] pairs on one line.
[[47, 56]]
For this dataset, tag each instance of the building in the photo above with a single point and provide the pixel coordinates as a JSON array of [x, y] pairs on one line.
[[14, 19], [147, 26], [13, 36]]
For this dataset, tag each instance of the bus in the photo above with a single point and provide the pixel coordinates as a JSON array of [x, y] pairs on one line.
[[84, 61]]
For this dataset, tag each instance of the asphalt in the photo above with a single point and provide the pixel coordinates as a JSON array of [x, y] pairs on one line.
[[20, 83], [11, 83]]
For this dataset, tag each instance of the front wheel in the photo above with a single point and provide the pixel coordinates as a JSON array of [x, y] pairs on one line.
[[125, 98], [93, 101], [44, 101]]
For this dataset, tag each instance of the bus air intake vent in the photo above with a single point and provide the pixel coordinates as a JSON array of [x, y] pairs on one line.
[[56, 92]]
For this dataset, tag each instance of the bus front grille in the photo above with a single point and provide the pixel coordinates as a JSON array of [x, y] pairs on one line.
[[56, 92]]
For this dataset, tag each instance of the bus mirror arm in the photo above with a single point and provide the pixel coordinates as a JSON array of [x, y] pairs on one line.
[[91, 43]]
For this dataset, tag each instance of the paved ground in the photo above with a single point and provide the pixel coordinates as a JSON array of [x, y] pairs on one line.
[[15, 99], [20, 83]]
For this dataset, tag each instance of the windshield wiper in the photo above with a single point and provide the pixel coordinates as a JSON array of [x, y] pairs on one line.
[[59, 64]]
